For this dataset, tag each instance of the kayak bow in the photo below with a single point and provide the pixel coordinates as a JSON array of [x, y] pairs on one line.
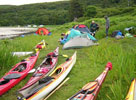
[[91, 89], [132, 91]]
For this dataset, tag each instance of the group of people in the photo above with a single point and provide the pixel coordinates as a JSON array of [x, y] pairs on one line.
[[95, 27]]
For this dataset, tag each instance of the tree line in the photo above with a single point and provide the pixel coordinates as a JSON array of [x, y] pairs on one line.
[[55, 13]]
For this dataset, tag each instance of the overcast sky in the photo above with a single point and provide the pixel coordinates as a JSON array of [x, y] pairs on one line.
[[22, 2]]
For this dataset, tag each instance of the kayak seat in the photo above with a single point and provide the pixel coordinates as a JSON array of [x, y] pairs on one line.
[[38, 74], [12, 76], [36, 89], [48, 61], [32, 55], [4, 82], [67, 59], [54, 55], [45, 80], [20, 68]]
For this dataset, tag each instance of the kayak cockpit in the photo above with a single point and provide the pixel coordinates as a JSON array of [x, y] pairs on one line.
[[56, 72], [4, 82], [7, 78], [47, 62], [42, 83], [20, 68]]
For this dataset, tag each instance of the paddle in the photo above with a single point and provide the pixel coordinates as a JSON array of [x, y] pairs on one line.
[[89, 87], [32, 71], [135, 89], [66, 56]]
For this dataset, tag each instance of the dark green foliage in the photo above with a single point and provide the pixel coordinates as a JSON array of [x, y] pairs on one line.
[[91, 11], [75, 9], [43, 13], [81, 19], [63, 12]]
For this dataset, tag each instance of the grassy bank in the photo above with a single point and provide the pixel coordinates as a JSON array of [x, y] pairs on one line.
[[90, 61]]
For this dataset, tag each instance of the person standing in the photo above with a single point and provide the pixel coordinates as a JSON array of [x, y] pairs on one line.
[[107, 25]]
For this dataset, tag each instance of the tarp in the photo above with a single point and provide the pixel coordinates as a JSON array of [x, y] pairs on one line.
[[74, 33], [43, 31]]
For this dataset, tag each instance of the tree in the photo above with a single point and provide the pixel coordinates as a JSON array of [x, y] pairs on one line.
[[90, 11], [105, 3], [75, 10], [134, 1]]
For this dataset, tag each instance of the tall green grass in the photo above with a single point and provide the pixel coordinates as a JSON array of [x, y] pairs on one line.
[[90, 63]]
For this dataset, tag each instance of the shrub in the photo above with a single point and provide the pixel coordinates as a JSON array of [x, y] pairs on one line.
[[81, 19], [91, 11]]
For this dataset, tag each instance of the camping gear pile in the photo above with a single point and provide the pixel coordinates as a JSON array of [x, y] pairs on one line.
[[117, 34], [130, 32]]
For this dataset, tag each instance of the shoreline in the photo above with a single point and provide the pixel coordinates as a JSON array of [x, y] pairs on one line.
[[12, 32]]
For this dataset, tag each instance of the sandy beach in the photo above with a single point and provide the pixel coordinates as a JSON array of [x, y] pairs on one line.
[[8, 32]]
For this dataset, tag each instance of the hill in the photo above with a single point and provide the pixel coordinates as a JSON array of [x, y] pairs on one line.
[[56, 13], [42, 13], [90, 61]]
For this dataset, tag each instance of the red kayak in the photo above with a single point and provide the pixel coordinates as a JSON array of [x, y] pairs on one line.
[[45, 68], [17, 73], [91, 89]]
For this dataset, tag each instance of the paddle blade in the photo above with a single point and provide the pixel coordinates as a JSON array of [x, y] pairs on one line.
[[90, 86], [66, 56], [32, 71]]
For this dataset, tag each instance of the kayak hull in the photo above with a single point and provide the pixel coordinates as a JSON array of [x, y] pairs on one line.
[[42, 71], [132, 91], [28, 64], [58, 75], [91, 92]]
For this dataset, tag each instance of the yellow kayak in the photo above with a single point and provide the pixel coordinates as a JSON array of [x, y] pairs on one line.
[[132, 91]]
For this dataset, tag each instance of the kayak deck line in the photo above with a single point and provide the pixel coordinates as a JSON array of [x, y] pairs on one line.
[[56, 88]]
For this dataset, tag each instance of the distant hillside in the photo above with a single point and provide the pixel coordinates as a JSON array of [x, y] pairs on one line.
[[56, 13], [42, 13]]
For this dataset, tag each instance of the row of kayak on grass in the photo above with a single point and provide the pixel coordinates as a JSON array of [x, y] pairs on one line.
[[47, 78]]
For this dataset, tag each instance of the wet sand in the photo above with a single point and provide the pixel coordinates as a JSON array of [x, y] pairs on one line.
[[9, 32]]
